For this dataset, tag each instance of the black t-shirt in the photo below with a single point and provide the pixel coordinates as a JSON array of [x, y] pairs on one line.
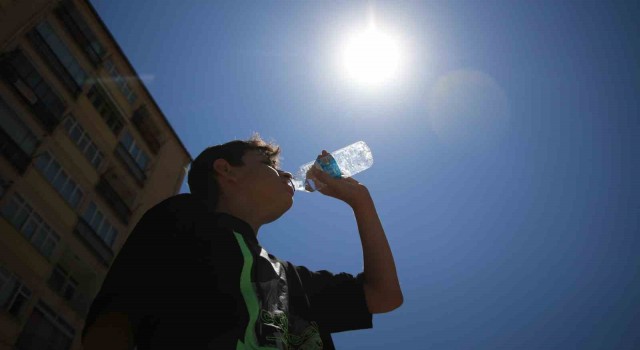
[[188, 278]]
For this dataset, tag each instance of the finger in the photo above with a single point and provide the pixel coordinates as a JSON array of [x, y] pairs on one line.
[[315, 184], [315, 170], [322, 176], [324, 153], [308, 186]]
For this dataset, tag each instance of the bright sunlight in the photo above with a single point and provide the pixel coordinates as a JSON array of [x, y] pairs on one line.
[[371, 57]]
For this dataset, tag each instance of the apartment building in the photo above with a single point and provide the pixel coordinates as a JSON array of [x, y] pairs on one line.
[[84, 152]]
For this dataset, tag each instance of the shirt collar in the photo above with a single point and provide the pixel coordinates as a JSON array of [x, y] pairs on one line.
[[225, 220], [235, 224]]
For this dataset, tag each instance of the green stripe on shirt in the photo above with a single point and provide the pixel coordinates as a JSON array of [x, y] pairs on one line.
[[250, 298]]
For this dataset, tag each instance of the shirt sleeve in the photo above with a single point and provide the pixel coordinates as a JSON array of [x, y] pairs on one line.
[[337, 301]]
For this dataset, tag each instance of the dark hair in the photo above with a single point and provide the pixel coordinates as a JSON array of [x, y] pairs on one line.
[[202, 178]]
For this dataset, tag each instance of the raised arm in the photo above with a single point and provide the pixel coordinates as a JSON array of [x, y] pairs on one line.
[[381, 287]]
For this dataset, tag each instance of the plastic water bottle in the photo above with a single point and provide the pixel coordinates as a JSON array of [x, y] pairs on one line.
[[344, 162]]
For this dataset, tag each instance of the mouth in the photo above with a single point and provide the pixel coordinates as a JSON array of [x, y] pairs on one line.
[[291, 188]]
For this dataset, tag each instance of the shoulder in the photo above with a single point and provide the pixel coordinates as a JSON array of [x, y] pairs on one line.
[[179, 203], [179, 210]]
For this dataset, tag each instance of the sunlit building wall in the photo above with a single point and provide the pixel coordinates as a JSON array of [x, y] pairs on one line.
[[84, 152]]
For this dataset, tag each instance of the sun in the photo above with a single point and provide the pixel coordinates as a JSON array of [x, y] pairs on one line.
[[371, 57]]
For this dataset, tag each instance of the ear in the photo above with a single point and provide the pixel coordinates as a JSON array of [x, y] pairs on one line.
[[223, 169]]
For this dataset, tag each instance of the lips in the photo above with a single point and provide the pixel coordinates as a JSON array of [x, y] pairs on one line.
[[290, 187]]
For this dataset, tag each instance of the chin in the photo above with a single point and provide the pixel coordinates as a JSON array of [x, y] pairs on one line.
[[278, 212]]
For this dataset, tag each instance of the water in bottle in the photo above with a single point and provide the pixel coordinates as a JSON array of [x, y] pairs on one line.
[[344, 162]]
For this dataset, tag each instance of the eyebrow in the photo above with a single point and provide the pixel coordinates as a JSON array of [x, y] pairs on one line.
[[266, 159]]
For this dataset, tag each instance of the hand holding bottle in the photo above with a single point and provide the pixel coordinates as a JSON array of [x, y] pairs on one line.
[[344, 162], [345, 189]]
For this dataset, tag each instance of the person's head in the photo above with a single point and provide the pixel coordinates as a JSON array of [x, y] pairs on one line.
[[242, 173]]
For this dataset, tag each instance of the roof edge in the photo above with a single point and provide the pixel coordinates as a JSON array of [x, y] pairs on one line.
[[144, 87]]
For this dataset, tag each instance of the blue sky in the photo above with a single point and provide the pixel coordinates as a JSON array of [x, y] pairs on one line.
[[506, 154]]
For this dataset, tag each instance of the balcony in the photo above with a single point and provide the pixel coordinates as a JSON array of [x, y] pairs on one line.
[[150, 131], [50, 58], [93, 241], [78, 301], [45, 105], [80, 31], [108, 110], [114, 200], [73, 280], [14, 154], [131, 165]]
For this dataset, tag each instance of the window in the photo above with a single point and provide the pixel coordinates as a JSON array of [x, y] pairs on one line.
[[16, 129], [84, 142], [114, 199], [17, 142], [30, 224], [61, 282], [140, 157], [80, 31], [59, 179], [107, 109], [46, 330], [20, 73], [14, 296], [58, 57], [100, 225], [121, 81]]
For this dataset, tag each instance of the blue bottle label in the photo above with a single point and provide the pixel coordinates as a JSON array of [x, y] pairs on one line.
[[329, 165]]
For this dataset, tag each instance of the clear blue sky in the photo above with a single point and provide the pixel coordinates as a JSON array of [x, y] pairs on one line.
[[507, 160]]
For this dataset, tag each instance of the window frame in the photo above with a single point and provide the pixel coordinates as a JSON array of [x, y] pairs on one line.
[[19, 291], [67, 282], [40, 227], [59, 179], [136, 151], [58, 57], [97, 221], [107, 108], [121, 81], [20, 132], [71, 125]]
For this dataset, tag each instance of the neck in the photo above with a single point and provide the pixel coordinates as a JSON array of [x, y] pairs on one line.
[[241, 210]]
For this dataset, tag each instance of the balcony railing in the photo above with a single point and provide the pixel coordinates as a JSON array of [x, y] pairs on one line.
[[54, 63], [46, 105], [14, 154], [79, 302], [93, 241], [80, 31], [114, 200], [151, 133], [108, 110], [131, 165]]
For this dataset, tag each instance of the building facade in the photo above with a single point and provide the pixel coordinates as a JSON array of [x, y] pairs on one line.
[[84, 152]]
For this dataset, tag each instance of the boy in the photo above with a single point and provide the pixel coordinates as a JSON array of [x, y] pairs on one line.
[[192, 274]]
